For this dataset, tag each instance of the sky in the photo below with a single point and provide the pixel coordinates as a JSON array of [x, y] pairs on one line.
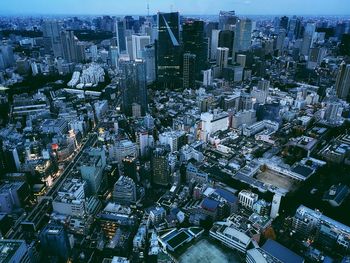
[[200, 7]]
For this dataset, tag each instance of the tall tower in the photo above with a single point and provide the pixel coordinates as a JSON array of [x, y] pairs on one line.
[[69, 46], [222, 57], [226, 19], [168, 50], [194, 42], [342, 84], [120, 34], [133, 84], [160, 166], [189, 70], [52, 38], [243, 35]]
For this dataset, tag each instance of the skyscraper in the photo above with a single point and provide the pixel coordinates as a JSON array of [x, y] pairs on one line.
[[148, 55], [138, 45], [133, 85], [124, 190], [226, 39], [113, 56], [222, 57], [120, 34], [214, 43], [168, 50], [193, 39], [243, 35], [52, 38], [69, 46], [227, 19], [342, 84], [189, 71]]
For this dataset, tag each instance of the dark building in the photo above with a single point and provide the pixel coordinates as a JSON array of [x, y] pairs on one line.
[[226, 39], [344, 47], [160, 165], [120, 34], [284, 22], [189, 71], [193, 39], [130, 167], [54, 241], [168, 50], [133, 85]]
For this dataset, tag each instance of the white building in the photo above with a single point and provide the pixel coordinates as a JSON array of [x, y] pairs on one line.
[[247, 198], [121, 149], [171, 138], [138, 45], [213, 122], [70, 199]]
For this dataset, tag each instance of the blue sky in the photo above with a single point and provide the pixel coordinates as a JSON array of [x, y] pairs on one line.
[[121, 7]]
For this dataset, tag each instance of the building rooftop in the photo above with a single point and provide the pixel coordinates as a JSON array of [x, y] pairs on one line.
[[281, 252]]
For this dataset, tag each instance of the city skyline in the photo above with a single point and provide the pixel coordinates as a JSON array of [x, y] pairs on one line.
[[204, 7]]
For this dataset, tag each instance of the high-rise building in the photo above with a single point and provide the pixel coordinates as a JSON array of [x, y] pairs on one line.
[[294, 28], [133, 84], [284, 22], [124, 190], [138, 45], [243, 35], [214, 43], [222, 57], [226, 39], [52, 38], [120, 34], [54, 241], [241, 59], [113, 56], [148, 55], [168, 50], [160, 165], [189, 71], [69, 46], [227, 19], [193, 39], [342, 84]]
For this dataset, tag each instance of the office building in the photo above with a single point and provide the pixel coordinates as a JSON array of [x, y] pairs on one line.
[[92, 164], [168, 50], [69, 46], [189, 71], [174, 139], [124, 191], [160, 166], [226, 39], [214, 43], [52, 38], [70, 199], [242, 39], [342, 84], [241, 60], [207, 77], [138, 45], [133, 85], [7, 58], [54, 241], [148, 55], [222, 57], [113, 56], [247, 199], [120, 34], [193, 40], [227, 19]]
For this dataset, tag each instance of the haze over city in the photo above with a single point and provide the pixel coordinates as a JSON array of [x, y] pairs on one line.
[[198, 7]]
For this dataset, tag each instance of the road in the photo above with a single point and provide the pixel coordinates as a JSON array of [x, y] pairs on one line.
[[44, 205]]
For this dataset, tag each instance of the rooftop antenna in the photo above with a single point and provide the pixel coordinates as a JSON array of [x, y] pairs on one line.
[[171, 8], [147, 8]]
